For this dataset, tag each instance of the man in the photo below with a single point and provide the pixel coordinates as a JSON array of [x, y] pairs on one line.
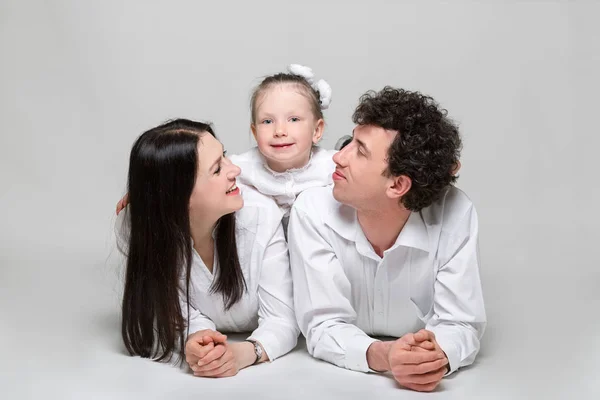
[[391, 249]]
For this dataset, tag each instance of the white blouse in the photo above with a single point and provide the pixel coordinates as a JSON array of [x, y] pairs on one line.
[[266, 308], [284, 187], [344, 292]]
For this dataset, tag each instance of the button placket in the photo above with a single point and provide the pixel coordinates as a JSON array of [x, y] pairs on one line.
[[379, 322]]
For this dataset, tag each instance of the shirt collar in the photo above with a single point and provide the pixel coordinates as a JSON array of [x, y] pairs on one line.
[[414, 233], [342, 219], [344, 222]]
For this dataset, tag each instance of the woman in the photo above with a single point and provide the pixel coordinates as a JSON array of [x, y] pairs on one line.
[[198, 263]]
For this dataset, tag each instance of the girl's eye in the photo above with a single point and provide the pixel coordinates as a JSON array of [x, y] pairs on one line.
[[294, 119], [218, 170], [267, 121]]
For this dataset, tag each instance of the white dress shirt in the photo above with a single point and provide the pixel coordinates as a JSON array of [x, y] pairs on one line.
[[284, 187], [344, 292], [266, 308]]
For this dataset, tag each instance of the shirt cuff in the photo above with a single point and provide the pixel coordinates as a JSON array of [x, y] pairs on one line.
[[356, 353], [201, 324], [448, 345]]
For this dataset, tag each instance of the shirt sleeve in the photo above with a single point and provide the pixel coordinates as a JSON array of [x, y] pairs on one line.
[[322, 297], [277, 330], [197, 320], [459, 319]]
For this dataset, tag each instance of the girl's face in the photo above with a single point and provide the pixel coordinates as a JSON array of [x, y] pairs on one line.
[[286, 127], [215, 193]]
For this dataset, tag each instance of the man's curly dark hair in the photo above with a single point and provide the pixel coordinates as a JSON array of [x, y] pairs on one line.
[[427, 147]]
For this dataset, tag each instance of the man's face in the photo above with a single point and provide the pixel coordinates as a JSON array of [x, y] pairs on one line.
[[359, 179]]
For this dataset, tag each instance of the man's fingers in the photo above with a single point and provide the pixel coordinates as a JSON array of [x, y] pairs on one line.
[[430, 367], [425, 345], [423, 335], [409, 339], [401, 344], [428, 378], [420, 388], [418, 357], [419, 348], [216, 353]]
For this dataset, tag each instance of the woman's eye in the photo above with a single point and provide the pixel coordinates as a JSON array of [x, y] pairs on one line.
[[218, 170], [294, 119], [267, 121]]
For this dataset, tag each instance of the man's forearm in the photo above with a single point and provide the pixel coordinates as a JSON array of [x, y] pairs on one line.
[[377, 356]]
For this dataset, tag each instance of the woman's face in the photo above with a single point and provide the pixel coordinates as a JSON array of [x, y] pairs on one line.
[[215, 193]]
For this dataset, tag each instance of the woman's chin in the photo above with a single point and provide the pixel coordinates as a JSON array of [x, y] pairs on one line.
[[237, 203]]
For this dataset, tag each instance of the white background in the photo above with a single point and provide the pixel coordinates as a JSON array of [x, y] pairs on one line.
[[79, 81]]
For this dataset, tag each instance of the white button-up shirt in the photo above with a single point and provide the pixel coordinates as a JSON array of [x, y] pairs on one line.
[[284, 187], [344, 292], [266, 308]]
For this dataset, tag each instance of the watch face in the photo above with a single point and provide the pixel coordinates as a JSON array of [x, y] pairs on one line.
[[258, 350]]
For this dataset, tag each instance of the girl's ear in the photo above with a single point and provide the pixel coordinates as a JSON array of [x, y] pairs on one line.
[[318, 133]]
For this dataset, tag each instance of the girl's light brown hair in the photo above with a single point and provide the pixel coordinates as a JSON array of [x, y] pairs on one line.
[[306, 89]]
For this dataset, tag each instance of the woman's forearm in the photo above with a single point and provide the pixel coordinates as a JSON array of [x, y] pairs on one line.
[[245, 355]]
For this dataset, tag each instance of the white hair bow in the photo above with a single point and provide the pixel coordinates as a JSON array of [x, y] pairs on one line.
[[320, 86]]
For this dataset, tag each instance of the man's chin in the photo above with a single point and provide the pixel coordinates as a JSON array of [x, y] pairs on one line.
[[338, 193]]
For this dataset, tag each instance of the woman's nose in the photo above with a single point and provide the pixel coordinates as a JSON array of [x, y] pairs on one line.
[[234, 170]]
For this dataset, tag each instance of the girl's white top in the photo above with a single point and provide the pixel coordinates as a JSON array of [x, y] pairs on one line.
[[284, 187]]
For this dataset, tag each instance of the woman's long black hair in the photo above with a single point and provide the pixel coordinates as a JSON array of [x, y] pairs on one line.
[[162, 175]]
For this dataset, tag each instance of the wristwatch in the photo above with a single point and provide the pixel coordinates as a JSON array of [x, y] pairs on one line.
[[257, 350]]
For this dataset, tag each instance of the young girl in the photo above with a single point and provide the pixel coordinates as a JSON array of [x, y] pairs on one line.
[[287, 123], [198, 263]]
